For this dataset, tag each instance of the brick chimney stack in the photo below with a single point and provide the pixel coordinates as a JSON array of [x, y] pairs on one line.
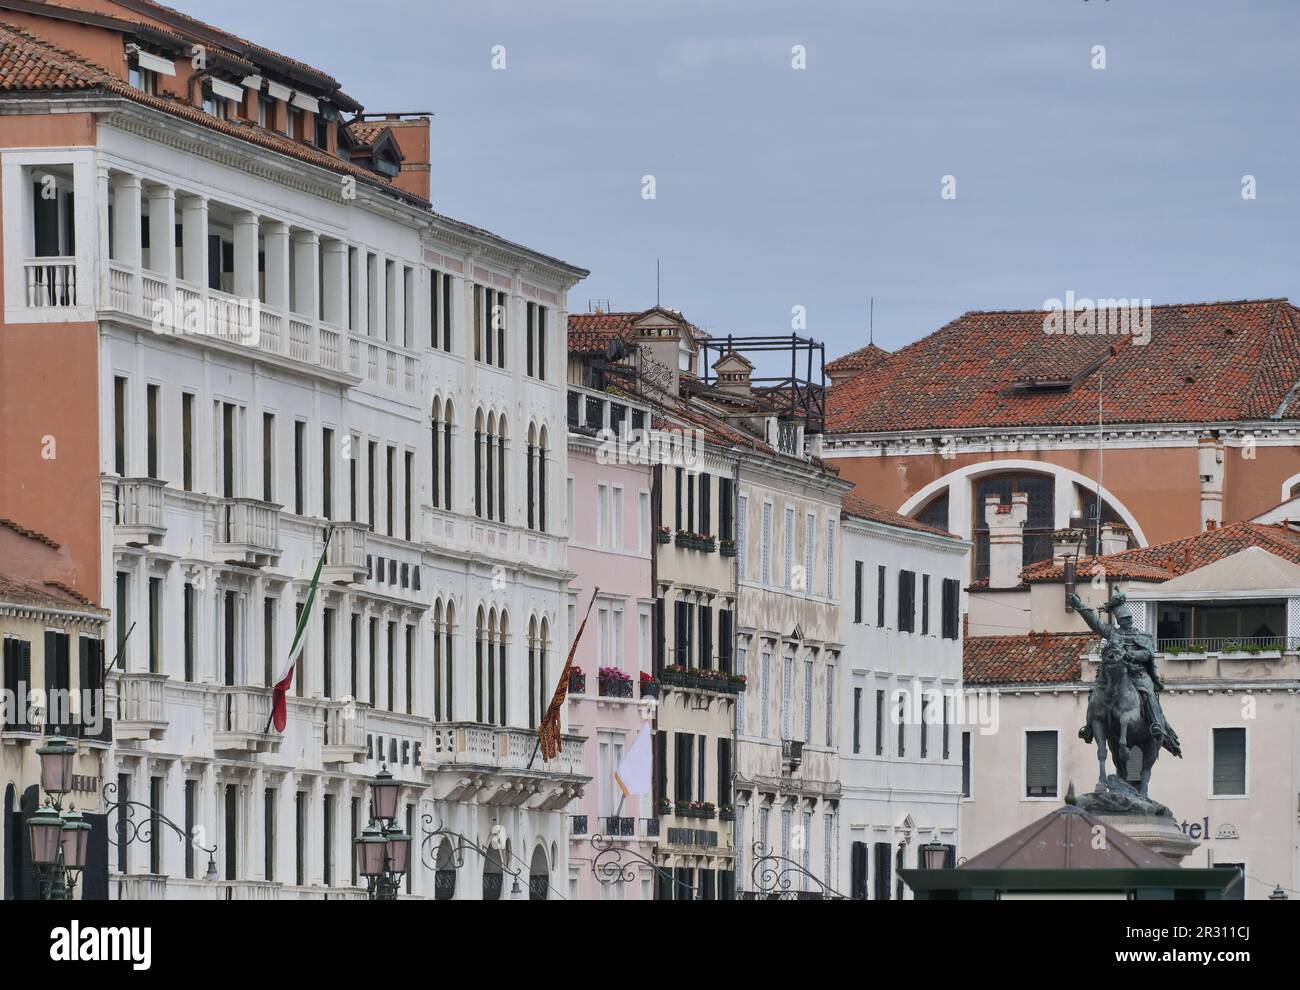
[[412, 135], [1006, 538], [1114, 538]]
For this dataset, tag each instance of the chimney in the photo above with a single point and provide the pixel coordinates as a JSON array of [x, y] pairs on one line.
[[1064, 543], [412, 135], [1006, 538], [1114, 538], [733, 371], [1209, 460]]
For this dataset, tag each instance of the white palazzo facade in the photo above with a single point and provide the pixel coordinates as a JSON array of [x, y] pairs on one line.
[[382, 370]]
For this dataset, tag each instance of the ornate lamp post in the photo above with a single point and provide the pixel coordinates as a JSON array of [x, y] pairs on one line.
[[383, 850], [58, 841]]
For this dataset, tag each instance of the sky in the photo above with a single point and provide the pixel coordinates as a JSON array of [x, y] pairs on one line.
[[821, 187]]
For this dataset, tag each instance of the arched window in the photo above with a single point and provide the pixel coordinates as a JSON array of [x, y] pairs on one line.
[[532, 478], [440, 430], [935, 512], [503, 435], [532, 672], [489, 455], [449, 659], [503, 639], [444, 877], [478, 665], [478, 463], [437, 660], [542, 447], [543, 685], [538, 875], [491, 665]]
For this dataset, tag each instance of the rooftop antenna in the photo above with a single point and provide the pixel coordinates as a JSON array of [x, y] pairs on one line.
[[1100, 441], [871, 326], [656, 282]]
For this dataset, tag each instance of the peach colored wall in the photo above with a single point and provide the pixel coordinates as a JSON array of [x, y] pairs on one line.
[[1160, 486], [103, 47], [49, 387]]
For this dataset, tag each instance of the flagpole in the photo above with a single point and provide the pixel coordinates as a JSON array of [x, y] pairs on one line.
[[564, 671]]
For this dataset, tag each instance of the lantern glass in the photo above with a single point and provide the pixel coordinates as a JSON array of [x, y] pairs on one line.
[[75, 840], [56, 765], [399, 852], [936, 856], [383, 795], [45, 830], [371, 848]]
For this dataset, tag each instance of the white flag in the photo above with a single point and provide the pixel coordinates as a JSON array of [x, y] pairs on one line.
[[633, 774]]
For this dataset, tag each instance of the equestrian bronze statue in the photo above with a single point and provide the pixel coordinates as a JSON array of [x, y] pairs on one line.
[[1124, 704]]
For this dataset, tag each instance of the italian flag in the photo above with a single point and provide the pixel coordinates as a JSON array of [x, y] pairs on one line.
[[279, 706]]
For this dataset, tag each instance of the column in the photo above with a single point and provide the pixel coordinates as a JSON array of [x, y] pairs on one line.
[[378, 304], [162, 231], [246, 247], [173, 850], [462, 336], [315, 849], [358, 303], [194, 240], [276, 238], [126, 219], [334, 288], [102, 200], [306, 252], [255, 827]]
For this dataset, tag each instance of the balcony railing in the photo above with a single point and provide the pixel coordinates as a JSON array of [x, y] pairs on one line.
[[792, 752], [345, 733], [250, 529], [141, 706], [577, 825], [502, 747], [650, 828], [612, 686], [1228, 644], [185, 309], [140, 511], [51, 282], [346, 561], [243, 714], [616, 825]]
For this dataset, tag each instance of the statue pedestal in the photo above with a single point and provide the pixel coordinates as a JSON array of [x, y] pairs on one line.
[[1158, 833]]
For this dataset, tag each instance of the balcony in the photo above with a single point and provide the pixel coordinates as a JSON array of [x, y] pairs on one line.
[[1228, 646], [345, 733], [501, 747], [791, 754], [346, 561], [141, 706], [139, 517], [242, 718], [614, 825], [138, 887], [577, 825], [51, 283], [248, 531], [613, 683], [704, 679]]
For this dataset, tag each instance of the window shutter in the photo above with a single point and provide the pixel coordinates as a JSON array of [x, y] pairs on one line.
[[706, 520], [724, 641], [1230, 761], [884, 865], [858, 871], [1040, 764], [661, 766]]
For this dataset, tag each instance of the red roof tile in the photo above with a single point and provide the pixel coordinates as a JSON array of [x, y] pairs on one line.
[[855, 505], [863, 357], [49, 594], [1038, 658], [1169, 560], [1205, 362]]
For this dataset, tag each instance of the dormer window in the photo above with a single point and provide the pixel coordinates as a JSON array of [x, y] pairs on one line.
[[144, 68], [214, 105]]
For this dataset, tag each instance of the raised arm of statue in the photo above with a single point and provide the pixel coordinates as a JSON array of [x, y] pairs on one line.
[[1090, 617]]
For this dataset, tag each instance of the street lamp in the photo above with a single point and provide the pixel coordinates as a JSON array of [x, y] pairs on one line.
[[934, 855], [383, 849], [56, 767], [1278, 894]]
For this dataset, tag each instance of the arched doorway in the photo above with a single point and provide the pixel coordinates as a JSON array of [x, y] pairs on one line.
[[444, 876], [539, 880]]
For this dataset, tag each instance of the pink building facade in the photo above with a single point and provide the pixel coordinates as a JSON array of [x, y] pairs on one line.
[[610, 549]]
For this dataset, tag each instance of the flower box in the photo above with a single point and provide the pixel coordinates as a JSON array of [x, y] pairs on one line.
[[664, 535], [727, 813], [727, 548], [613, 683], [577, 682]]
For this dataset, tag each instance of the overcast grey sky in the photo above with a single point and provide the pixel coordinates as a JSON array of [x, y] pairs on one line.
[[821, 187]]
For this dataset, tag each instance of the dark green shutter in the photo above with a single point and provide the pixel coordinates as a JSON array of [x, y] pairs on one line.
[[1230, 761]]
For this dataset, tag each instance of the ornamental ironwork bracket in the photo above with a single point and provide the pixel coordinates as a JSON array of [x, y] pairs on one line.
[[461, 843], [772, 877], [128, 829], [609, 868]]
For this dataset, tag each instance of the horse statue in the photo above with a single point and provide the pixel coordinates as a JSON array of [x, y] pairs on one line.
[[1124, 705]]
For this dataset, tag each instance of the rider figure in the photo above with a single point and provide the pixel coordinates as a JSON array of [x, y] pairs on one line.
[[1136, 649]]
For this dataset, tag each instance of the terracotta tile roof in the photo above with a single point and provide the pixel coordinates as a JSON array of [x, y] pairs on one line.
[[1169, 560], [855, 505], [1205, 362], [180, 19], [29, 63], [47, 595], [366, 133], [1038, 658], [590, 333], [863, 357]]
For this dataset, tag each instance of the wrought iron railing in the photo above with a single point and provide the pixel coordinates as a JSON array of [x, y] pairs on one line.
[[1228, 644]]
